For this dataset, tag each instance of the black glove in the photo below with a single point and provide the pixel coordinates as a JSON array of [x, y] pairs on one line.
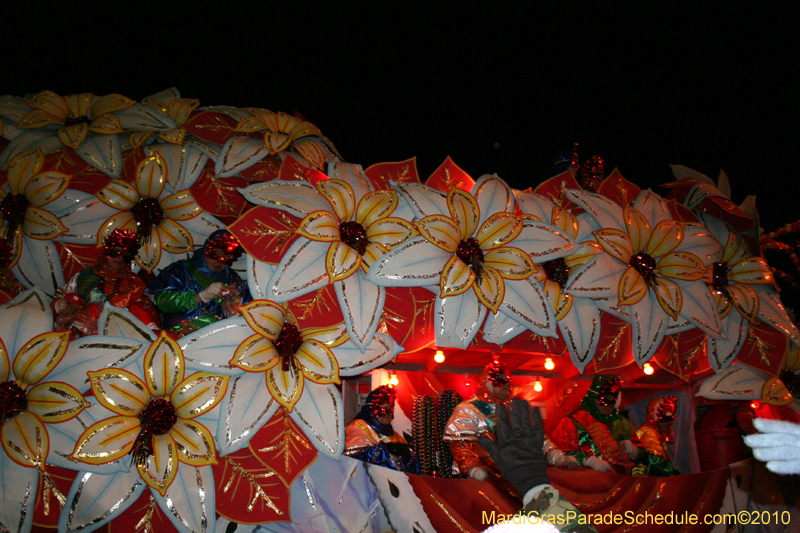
[[518, 450]]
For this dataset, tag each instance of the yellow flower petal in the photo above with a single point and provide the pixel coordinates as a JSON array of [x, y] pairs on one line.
[[106, 125], [173, 237], [45, 187], [150, 251], [255, 354], [390, 232], [180, 109], [38, 119], [110, 103], [194, 442], [309, 149], [457, 277], [510, 262], [51, 103], [198, 394], [73, 136], [79, 104], [39, 356], [735, 249], [751, 271], [276, 142], [317, 362], [666, 236], [615, 243], [499, 230], [285, 387], [331, 336], [265, 317], [341, 197], [373, 252], [441, 231], [638, 229], [25, 441], [669, 296], [107, 440], [564, 220], [173, 136], [42, 224], [119, 195], [163, 366], [138, 138], [320, 226], [632, 287], [490, 289], [161, 467], [465, 212], [22, 168], [151, 176], [374, 206], [122, 220], [745, 299], [559, 301], [119, 391], [55, 402], [341, 261], [680, 265]]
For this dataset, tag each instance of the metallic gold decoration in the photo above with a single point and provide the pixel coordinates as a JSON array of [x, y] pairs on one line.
[[285, 441], [50, 486], [251, 479], [145, 525], [451, 517]]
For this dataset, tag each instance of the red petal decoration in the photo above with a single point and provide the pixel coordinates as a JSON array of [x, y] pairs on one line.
[[720, 207], [448, 176], [143, 513], [684, 355], [265, 170], [553, 189], [248, 492], [76, 257], [82, 176], [318, 309], [266, 233], [402, 171], [614, 350], [219, 196], [618, 189], [212, 127], [291, 170], [54, 484], [408, 317], [282, 447], [765, 348]]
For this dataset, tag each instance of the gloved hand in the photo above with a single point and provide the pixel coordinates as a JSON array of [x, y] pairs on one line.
[[478, 472], [567, 461], [778, 443], [210, 292], [595, 463], [629, 448], [518, 450]]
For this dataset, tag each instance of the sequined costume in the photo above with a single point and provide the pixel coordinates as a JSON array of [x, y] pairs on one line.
[[586, 433], [656, 432], [175, 288], [366, 439], [80, 301]]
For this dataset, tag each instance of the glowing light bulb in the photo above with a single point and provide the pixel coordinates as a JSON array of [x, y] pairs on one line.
[[439, 357], [648, 369], [549, 364], [755, 405], [393, 380], [466, 381], [537, 386]]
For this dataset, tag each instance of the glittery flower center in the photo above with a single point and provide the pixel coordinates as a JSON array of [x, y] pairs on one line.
[[147, 213], [287, 344], [158, 417], [13, 208], [12, 400], [719, 273], [354, 235], [470, 252], [644, 265], [72, 121], [557, 270]]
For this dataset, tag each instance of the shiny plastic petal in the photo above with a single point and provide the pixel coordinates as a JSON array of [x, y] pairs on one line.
[[41, 224], [247, 406], [680, 265], [510, 262], [174, 238], [375, 206], [745, 299], [239, 153], [39, 357], [638, 229], [45, 187], [151, 176], [107, 440], [441, 231], [302, 270], [499, 230], [457, 319], [255, 354], [55, 402], [119, 195], [96, 499], [119, 391], [493, 196], [751, 271], [615, 243], [317, 362], [390, 232], [632, 287], [666, 236], [25, 440], [320, 414], [415, 263], [361, 302], [163, 366], [194, 442], [669, 296], [320, 226], [341, 197], [161, 467], [464, 212], [490, 288], [298, 198], [457, 278], [198, 394], [341, 261], [180, 206], [285, 386]]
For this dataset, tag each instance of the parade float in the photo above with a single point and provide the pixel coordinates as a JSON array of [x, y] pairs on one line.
[[418, 279]]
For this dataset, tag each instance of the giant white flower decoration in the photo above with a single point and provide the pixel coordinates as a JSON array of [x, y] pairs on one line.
[[26, 222], [651, 270], [742, 288], [146, 207], [346, 226], [29, 403], [481, 256], [153, 426]]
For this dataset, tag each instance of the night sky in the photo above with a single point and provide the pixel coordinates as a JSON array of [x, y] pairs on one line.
[[500, 89]]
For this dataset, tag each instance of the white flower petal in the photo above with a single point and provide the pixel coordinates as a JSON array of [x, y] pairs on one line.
[[83, 217], [534, 204], [298, 198], [422, 200], [119, 322], [24, 317], [102, 152], [320, 414], [247, 406], [361, 302], [39, 266], [598, 278], [580, 329], [352, 361], [722, 352], [493, 196], [239, 153], [258, 274], [544, 242], [353, 175], [500, 328], [700, 307], [526, 303], [605, 212], [96, 499], [648, 326], [210, 349], [415, 263], [190, 499], [93, 353], [457, 319], [772, 311], [18, 485], [301, 270], [652, 206]]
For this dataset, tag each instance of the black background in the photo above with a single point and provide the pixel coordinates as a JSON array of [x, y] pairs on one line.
[[500, 88]]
